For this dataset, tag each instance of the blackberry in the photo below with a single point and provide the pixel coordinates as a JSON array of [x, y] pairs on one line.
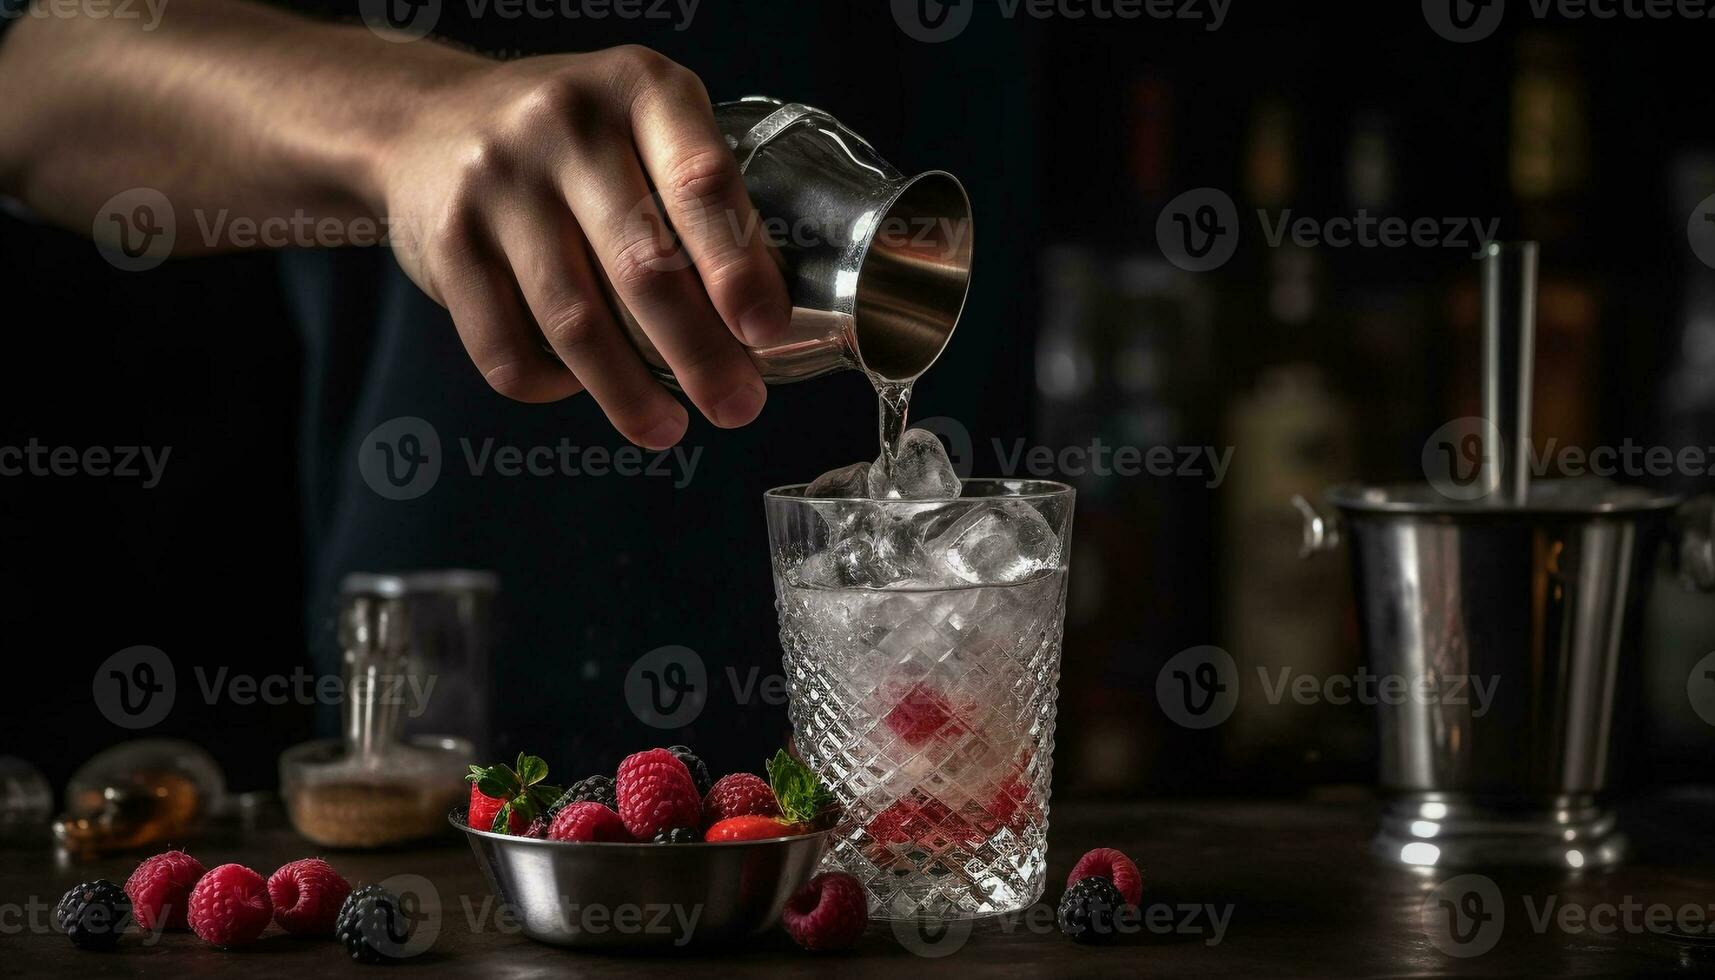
[[590, 789], [699, 772], [678, 835], [93, 915], [372, 926], [1089, 909]]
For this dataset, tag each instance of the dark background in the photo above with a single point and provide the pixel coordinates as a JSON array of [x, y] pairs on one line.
[[1072, 136]]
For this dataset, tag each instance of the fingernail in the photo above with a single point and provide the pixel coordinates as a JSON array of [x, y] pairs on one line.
[[740, 407], [664, 434], [763, 324]]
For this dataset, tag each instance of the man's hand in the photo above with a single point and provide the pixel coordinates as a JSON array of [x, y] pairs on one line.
[[509, 188], [512, 191]]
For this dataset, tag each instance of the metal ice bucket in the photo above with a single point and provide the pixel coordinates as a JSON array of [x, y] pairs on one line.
[[1538, 605], [877, 263]]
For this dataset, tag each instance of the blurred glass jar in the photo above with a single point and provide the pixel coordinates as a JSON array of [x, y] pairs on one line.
[[414, 650], [26, 801]]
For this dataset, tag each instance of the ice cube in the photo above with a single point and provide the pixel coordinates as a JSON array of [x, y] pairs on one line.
[[844, 483], [997, 543], [872, 551], [921, 470]]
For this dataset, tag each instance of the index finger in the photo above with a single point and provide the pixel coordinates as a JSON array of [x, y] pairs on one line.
[[703, 193]]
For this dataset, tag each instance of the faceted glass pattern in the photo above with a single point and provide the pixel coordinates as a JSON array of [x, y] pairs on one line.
[[931, 714]]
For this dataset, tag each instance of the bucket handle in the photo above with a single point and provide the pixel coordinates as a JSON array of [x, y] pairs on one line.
[[1321, 532], [1696, 520]]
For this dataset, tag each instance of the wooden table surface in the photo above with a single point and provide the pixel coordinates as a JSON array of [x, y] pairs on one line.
[[1233, 889]]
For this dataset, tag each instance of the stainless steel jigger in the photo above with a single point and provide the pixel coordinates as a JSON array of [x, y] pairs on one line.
[[877, 263], [1533, 589]]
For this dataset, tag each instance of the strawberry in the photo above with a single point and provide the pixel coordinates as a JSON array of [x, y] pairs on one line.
[[588, 822], [160, 890], [656, 793], [307, 896], [751, 827], [484, 809], [739, 794], [505, 800]]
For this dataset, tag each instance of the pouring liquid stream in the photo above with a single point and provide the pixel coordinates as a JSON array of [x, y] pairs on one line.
[[894, 401]]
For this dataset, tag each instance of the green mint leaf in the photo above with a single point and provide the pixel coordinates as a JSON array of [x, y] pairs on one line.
[[545, 795], [502, 820], [801, 795], [526, 808], [494, 786], [531, 769]]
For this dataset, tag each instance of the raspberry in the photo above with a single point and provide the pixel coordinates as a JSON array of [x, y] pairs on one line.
[[919, 715], [1089, 908], [93, 915], [230, 906], [739, 794], [160, 890], [306, 896], [656, 793], [828, 913], [1114, 866], [588, 821], [930, 825]]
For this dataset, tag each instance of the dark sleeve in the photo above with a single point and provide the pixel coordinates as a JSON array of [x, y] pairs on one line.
[[10, 11]]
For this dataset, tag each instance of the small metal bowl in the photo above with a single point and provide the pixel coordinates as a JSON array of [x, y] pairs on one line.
[[605, 896]]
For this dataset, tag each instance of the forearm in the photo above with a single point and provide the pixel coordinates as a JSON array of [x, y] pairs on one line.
[[224, 106]]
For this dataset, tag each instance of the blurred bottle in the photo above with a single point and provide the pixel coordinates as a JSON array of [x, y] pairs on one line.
[[1128, 375], [1679, 628], [1385, 357], [1549, 174], [1283, 617]]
